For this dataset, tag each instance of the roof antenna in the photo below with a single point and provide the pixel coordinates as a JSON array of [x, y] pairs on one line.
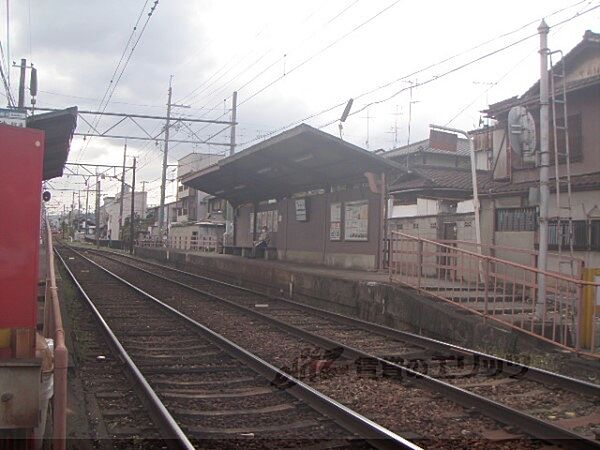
[[345, 116]]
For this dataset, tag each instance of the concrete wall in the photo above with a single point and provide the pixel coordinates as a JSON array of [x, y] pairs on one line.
[[309, 241]]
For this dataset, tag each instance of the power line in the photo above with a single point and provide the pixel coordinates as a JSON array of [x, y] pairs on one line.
[[327, 47], [112, 86], [435, 78]]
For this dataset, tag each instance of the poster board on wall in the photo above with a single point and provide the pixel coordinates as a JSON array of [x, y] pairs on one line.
[[335, 222], [356, 221], [301, 209]]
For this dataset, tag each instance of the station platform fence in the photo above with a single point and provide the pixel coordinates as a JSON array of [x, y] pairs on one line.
[[567, 314]]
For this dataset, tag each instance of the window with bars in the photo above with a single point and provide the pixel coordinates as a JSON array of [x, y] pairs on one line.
[[595, 235], [580, 234], [516, 219]]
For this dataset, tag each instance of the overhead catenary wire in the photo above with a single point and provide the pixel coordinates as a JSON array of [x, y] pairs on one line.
[[319, 52], [503, 76], [112, 85]]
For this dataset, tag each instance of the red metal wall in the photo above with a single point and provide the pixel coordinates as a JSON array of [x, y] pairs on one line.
[[21, 164]]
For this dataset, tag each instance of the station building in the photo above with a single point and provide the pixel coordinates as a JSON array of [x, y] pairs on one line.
[[322, 200]]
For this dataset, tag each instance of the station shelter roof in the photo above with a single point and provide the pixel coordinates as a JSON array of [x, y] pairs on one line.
[[58, 127], [297, 160]]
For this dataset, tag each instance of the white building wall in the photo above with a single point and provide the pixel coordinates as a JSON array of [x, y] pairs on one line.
[[112, 209]]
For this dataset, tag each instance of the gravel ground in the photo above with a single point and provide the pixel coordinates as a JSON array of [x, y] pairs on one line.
[[400, 407]]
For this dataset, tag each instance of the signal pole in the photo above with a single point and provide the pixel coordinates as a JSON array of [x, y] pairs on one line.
[[544, 169]]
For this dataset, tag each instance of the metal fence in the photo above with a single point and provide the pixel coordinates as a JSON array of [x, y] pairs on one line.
[[500, 290], [193, 243]]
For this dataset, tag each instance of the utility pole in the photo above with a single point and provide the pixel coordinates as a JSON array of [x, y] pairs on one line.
[[132, 216], [87, 197], [229, 209], [122, 189], [23, 67], [544, 169], [97, 230], [233, 121], [161, 210]]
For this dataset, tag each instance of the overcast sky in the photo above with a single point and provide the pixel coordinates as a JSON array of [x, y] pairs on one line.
[[288, 60]]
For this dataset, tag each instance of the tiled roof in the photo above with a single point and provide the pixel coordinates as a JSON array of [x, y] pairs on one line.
[[442, 178], [462, 149], [590, 41]]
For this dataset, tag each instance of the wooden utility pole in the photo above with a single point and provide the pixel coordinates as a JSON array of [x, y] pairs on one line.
[[161, 211], [122, 189], [132, 217]]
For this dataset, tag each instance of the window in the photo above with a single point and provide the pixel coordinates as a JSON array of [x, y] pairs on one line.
[[516, 219], [595, 235], [580, 234]]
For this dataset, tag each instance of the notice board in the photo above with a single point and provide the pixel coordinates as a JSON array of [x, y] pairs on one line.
[[356, 221], [335, 222]]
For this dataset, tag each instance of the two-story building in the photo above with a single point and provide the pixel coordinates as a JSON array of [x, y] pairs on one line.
[[433, 199], [200, 220], [509, 208]]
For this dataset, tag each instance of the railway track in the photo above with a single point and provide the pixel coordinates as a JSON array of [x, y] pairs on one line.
[[549, 406], [207, 391]]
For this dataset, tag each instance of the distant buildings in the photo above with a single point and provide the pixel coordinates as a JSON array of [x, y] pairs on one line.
[[110, 221]]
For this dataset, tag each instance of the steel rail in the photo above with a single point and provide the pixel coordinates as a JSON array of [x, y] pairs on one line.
[[168, 423], [377, 435], [534, 373], [498, 411]]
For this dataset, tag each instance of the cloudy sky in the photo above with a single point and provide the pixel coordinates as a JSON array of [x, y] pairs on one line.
[[289, 61]]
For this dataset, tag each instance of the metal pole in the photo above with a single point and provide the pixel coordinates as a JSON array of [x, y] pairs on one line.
[[161, 211], [476, 204], [97, 230], [21, 104], [544, 168], [122, 189], [132, 217]]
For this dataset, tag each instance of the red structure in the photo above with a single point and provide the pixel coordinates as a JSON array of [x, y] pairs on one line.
[[20, 187], [29, 155]]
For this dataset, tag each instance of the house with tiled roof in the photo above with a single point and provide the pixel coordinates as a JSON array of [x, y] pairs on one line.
[[513, 199], [434, 198]]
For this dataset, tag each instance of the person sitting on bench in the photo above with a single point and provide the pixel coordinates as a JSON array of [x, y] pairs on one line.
[[263, 240]]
